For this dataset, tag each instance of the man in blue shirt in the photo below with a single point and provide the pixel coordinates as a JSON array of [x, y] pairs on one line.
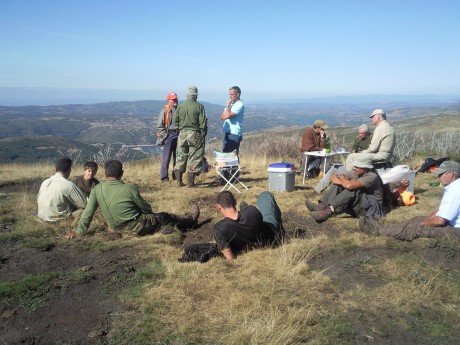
[[233, 117], [444, 222]]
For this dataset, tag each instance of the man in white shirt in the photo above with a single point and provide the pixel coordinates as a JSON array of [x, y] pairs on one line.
[[58, 198], [444, 222]]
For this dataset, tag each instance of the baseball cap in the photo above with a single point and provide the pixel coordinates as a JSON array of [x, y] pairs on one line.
[[171, 96], [377, 112], [320, 124], [447, 166], [192, 91]]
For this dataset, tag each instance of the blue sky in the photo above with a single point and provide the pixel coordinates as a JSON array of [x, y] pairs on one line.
[[273, 50]]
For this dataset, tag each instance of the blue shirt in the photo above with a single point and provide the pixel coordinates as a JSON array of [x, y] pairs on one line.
[[449, 209], [235, 124]]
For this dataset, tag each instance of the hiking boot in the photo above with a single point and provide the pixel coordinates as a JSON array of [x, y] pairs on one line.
[[373, 226], [322, 215], [314, 207], [178, 175], [193, 215], [191, 179]]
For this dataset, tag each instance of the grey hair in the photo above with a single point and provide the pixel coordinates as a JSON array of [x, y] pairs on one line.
[[383, 116], [365, 127], [456, 174]]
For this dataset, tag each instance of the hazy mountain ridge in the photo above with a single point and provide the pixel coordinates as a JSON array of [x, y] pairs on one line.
[[118, 123]]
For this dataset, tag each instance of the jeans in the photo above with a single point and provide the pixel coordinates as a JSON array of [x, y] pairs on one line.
[[170, 145], [231, 142]]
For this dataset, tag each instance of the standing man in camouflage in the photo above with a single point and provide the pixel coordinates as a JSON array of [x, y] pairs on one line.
[[192, 123]]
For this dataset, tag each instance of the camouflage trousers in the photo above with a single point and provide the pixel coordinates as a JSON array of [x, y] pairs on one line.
[[190, 151]]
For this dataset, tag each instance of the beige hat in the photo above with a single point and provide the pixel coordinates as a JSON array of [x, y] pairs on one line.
[[192, 91], [320, 124], [361, 161], [377, 112]]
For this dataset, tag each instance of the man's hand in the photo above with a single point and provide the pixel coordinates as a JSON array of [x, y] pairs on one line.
[[71, 235]]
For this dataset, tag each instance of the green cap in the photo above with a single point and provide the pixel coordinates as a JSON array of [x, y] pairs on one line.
[[447, 166]]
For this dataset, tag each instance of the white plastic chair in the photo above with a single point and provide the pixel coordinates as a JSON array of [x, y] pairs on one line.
[[228, 167]]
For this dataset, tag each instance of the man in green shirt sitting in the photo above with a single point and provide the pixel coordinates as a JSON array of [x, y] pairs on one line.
[[125, 210], [363, 139]]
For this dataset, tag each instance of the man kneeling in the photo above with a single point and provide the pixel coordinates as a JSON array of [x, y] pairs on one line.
[[358, 193], [125, 210], [248, 228]]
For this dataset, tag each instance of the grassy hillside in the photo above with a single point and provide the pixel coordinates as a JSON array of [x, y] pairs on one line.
[[327, 284]]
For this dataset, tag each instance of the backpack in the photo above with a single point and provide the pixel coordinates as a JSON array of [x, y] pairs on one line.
[[200, 252]]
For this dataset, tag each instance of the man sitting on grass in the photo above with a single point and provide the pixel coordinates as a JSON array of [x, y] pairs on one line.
[[248, 228], [58, 198], [87, 181], [444, 222], [358, 193], [125, 210]]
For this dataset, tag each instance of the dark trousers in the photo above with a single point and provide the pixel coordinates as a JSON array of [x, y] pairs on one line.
[[271, 215], [161, 222], [231, 142], [343, 200], [412, 229], [170, 145]]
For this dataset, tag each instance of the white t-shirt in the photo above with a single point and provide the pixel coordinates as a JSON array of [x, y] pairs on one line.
[[449, 209]]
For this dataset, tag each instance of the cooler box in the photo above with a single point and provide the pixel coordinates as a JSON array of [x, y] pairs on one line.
[[281, 177]]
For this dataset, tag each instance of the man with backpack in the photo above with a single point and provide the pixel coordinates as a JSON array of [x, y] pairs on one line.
[[167, 135]]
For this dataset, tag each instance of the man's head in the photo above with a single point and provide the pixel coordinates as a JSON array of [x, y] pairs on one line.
[[192, 92], [377, 116], [361, 165], [90, 170], [234, 93], [225, 199], [363, 131], [114, 169], [172, 99], [319, 126], [448, 172], [64, 166]]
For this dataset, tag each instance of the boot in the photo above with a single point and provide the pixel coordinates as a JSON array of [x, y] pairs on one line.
[[194, 215], [191, 179], [178, 175], [314, 207]]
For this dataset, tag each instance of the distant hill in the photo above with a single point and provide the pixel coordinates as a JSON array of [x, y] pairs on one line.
[[117, 123]]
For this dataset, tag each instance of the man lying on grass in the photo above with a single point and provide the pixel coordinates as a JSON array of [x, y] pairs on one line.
[[125, 210], [248, 228], [444, 222]]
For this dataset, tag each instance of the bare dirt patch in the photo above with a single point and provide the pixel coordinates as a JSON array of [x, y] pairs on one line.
[[78, 304]]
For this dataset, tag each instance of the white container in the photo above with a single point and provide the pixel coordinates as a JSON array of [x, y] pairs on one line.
[[281, 179]]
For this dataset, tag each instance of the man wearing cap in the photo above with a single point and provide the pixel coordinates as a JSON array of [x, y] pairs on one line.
[[313, 139], [167, 135], [444, 222], [191, 120], [382, 144], [358, 192], [233, 116]]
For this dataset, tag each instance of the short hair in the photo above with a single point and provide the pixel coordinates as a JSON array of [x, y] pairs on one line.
[[236, 89], [91, 165], [382, 116], [226, 199], [365, 127], [456, 174], [63, 164], [194, 97], [114, 168]]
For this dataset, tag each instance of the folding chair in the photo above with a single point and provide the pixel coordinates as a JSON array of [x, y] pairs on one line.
[[228, 167]]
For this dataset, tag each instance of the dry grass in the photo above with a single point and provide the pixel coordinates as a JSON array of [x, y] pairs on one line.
[[332, 285]]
